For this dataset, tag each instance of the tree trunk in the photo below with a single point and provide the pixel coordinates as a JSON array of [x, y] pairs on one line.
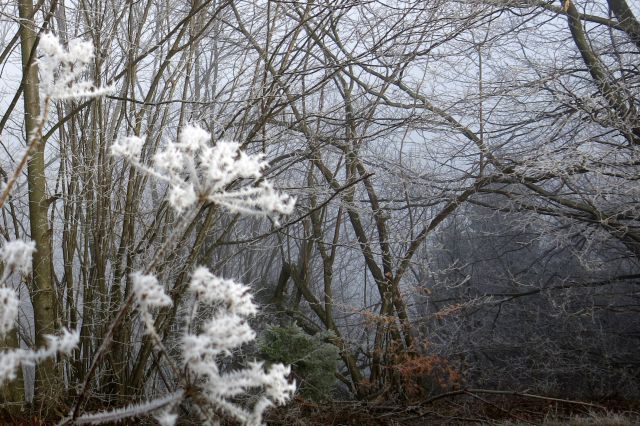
[[12, 393], [42, 291]]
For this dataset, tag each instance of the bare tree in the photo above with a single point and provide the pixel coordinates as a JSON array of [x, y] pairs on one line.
[[416, 136]]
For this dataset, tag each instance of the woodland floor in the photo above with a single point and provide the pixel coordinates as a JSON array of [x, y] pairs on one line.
[[463, 409], [457, 408]]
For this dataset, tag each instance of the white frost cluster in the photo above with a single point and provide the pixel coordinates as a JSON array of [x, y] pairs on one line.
[[211, 289], [128, 148], [149, 294], [276, 389], [65, 343], [9, 364], [195, 171], [16, 256], [227, 329], [9, 305], [62, 69], [11, 360], [166, 418]]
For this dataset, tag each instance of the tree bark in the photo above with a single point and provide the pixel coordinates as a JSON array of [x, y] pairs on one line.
[[12, 393], [627, 19], [42, 290]]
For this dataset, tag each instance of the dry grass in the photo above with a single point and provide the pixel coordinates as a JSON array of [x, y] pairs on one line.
[[590, 419]]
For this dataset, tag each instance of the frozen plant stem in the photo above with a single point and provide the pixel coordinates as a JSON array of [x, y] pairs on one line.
[[61, 70], [197, 172], [62, 83]]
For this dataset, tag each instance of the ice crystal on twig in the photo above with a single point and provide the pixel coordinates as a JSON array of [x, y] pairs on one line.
[[16, 255], [226, 330], [11, 360], [62, 69], [196, 170], [128, 148], [211, 289], [149, 294], [133, 410]]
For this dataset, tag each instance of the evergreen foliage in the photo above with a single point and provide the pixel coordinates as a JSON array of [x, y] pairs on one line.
[[313, 360]]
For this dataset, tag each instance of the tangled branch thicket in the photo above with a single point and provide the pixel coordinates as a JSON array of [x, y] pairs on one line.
[[197, 367], [466, 217]]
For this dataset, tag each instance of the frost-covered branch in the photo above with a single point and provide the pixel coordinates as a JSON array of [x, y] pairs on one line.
[[62, 69], [61, 72], [196, 171], [135, 410], [16, 257]]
